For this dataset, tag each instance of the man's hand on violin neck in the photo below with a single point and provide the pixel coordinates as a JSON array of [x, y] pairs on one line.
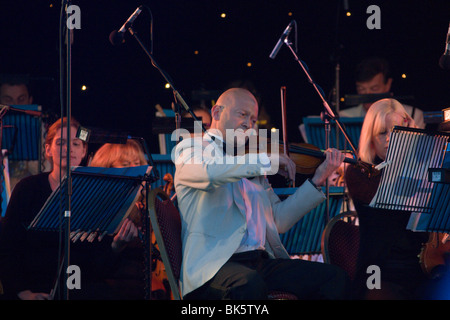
[[333, 160]]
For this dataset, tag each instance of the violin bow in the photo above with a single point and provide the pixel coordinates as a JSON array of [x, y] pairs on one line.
[[284, 125]]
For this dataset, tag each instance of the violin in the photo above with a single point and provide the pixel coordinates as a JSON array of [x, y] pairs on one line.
[[308, 157], [168, 187], [435, 253]]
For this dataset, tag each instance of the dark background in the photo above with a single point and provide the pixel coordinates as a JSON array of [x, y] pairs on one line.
[[123, 86]]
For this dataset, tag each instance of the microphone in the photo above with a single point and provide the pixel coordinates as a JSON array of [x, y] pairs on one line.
[[285, 34], [444, 61], [117, 37]]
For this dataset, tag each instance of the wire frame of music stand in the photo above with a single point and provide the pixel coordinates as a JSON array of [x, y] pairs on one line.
[[22, 133], [101, 199], [404, 183], [439, 220], [304, 238], [315, 133]]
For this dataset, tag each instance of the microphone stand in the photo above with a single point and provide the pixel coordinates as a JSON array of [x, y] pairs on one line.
[[328, 114], [67, 212], [178, 98], [65, 260]]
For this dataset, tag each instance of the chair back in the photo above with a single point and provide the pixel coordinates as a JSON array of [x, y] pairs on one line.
[[340, 242], [166, 224]]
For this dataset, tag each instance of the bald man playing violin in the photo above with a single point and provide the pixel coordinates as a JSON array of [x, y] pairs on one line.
[[231, 217]]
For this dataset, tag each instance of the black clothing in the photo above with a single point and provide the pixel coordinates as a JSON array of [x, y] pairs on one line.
[[384, 241], [252, 275], [29, 258]]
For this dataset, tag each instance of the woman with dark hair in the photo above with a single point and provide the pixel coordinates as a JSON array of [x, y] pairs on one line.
[[29, 266]]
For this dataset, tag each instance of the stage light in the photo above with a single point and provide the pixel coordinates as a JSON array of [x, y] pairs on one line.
[[404, 75], [249, 64], [167, 86], [349, 14], [83, 88], [223, 15], [261, 122], [196, 52], [290, 14]]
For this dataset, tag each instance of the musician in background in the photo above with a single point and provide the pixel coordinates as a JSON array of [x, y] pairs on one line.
[[231, 218], [15, 90], [202, 112], [128, 278], [15, 93], [373, 76], [28, 258], [385, 242], [112, 155]]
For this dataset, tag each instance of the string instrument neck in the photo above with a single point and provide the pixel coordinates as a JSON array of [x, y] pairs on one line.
[[316, 153]]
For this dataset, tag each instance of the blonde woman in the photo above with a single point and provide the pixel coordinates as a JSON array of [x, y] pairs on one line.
[[377, 127], [385, 242], [112, 155], [128, 278]]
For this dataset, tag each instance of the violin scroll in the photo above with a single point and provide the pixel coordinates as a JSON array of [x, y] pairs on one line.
[[367, 169]]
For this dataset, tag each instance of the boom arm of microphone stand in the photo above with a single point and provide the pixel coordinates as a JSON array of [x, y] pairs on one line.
[[325, 103], [166, 77]]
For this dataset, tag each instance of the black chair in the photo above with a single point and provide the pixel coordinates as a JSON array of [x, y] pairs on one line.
[[166, 225]]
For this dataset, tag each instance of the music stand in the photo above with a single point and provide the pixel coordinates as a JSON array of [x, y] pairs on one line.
[[101, 199], [23, 142], [405, 183]]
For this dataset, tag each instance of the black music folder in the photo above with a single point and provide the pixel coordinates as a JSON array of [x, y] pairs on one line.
[[101, 199]]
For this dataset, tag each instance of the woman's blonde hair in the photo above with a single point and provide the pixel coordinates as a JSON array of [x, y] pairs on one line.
[[110, 153], [375, 123]]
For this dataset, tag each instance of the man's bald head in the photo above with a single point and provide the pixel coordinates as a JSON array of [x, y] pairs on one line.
[[236, 108], [236, 96]]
